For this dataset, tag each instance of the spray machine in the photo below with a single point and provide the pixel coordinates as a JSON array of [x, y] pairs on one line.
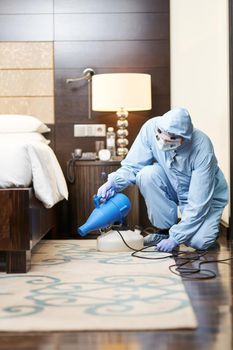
[[104, 217]]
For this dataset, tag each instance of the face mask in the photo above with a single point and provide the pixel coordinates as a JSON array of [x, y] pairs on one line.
[[167, 144]]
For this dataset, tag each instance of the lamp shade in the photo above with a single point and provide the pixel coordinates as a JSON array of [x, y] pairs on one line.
[[115, 91]]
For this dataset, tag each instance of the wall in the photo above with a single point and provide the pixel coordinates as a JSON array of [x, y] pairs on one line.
[[26, 60], [26, 79], [200, 69], [106, 35]]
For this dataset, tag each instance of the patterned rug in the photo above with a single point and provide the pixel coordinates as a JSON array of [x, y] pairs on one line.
[[71, 286]]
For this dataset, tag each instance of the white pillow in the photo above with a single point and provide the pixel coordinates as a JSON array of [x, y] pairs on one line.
[[11, 123], [23, 137]]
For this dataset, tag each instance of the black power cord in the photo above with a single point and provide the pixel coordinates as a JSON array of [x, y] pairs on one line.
[[180, 267]]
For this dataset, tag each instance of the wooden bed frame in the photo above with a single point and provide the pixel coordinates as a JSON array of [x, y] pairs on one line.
[[23, 222]]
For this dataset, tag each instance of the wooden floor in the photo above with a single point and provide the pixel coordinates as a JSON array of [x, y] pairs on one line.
[[212, 302]]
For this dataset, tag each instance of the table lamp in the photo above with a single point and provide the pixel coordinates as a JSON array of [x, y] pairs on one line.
[[121, 93]]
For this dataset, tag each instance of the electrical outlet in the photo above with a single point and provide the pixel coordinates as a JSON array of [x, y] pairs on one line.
[[91, 130]]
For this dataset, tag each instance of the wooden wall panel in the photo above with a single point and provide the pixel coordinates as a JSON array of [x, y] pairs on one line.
[[103, 6], [111, 26], [112, 54], [26, 27], [26, 6]]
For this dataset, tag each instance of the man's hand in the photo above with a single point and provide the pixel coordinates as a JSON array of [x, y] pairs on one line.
[[167, 245], [107, 190]]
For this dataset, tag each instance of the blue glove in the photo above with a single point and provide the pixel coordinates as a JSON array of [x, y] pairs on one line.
[[107, 190], [167, 245]]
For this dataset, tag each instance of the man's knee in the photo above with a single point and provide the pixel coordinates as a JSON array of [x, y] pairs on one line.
[[145, 174], [202, 243], [148, 174], [209, 231]]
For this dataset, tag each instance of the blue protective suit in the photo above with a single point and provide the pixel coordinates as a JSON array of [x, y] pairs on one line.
[[188, 177]]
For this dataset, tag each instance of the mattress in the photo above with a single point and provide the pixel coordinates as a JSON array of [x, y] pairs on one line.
[[32, 163]]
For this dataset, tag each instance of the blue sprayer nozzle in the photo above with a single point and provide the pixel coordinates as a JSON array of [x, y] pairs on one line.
[[105, 214]]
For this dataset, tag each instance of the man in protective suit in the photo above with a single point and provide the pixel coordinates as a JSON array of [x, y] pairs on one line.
[[174, 165]]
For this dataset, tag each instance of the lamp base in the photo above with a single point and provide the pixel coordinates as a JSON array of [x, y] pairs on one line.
[[122, 151], [122, 132]]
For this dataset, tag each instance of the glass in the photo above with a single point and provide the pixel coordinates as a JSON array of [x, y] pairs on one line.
[[98, 146]]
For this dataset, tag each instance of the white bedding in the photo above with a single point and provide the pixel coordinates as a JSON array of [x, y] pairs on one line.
[[23, 163]]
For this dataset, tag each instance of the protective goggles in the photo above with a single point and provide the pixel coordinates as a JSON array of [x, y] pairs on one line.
[[167, 141]]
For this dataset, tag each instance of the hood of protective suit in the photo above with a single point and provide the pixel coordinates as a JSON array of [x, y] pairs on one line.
[[176, 121]]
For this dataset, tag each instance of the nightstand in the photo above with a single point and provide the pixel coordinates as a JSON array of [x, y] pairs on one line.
[[90, 175]]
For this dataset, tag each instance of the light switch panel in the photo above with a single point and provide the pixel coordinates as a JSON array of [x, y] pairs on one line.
[[91, 130]]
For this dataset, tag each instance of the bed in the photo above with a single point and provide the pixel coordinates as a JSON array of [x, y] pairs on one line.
[[31, 183]]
